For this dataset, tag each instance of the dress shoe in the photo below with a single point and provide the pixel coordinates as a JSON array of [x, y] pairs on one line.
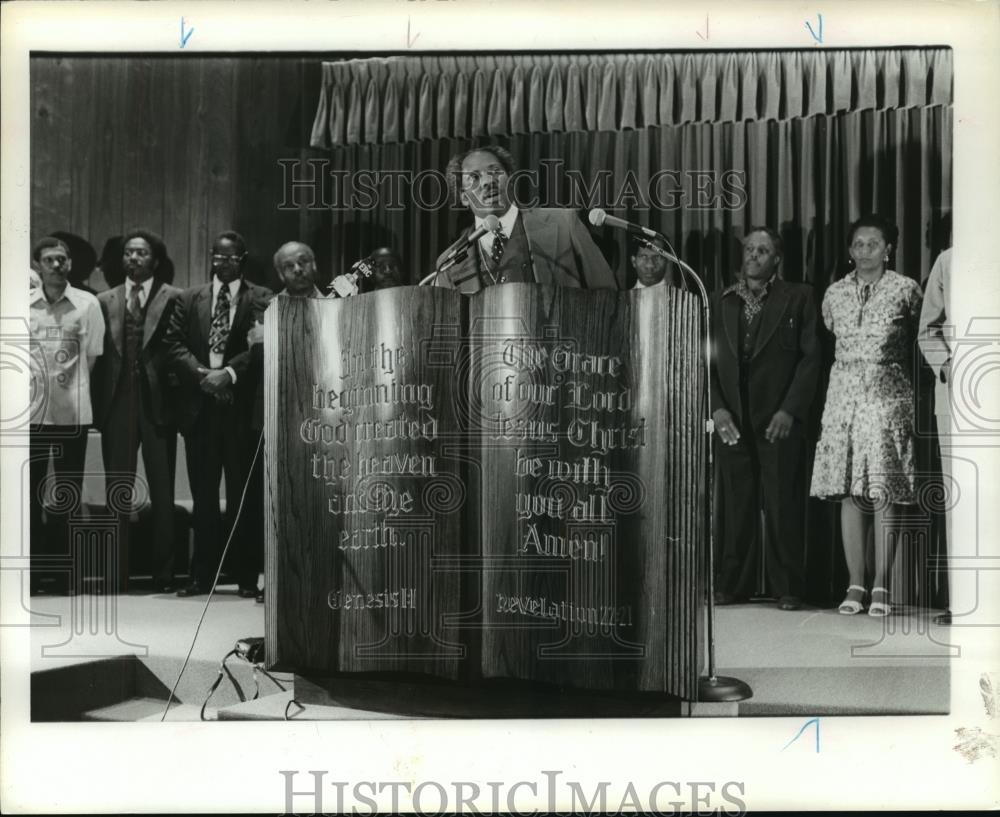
[[722, 598], [192, 589], [163, 587], [943, 619], [260, 596], [248, 592], [789, 603]]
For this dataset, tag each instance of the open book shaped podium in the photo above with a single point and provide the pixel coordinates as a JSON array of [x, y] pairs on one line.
[[503, 488]]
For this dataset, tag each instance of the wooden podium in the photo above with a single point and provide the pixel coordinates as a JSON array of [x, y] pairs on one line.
[[503, 490]]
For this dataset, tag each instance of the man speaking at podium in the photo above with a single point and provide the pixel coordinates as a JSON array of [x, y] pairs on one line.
[[511, 245]]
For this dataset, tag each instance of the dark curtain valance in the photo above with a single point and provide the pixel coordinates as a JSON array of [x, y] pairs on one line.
[[400, 99]]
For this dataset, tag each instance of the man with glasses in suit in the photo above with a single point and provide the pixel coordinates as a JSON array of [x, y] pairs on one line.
[[207, 342]]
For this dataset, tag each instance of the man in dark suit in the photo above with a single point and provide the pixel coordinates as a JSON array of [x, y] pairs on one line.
[[207, 343], [133, 399], [763, 384], [540, 245]]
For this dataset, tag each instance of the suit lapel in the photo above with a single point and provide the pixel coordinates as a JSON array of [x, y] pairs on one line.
[[116, 317], [243, 298], [770, 316], [731, 320], [541, 239], [203, 312], [154, 309]]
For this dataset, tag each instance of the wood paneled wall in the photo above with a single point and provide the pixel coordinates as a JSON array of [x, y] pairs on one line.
[[187, 146]]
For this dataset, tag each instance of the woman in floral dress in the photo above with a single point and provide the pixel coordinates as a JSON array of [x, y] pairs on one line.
[[864, 457]]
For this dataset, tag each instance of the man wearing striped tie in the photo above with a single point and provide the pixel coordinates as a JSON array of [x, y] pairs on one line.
[[207, 343], [541, 245]]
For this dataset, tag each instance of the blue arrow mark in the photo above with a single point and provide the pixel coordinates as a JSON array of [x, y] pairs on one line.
[[817, 37], [185, 37], [803, 729]]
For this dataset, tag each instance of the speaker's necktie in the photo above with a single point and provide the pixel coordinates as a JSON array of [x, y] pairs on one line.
[[219, 333], [499, 242]]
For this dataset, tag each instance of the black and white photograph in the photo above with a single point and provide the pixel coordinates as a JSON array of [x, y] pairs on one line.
[[413, 385]]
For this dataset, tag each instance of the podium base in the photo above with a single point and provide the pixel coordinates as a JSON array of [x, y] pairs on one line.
[[721, 688]]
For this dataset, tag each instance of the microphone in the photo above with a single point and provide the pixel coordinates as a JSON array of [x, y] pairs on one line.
[[490, 224], [346, 285], [599, 218]]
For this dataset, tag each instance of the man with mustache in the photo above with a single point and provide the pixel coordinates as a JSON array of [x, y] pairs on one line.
[[134, 394], [531, 245], [650, 267], [207, 342], [67, 337], [295, 264], [766, 362]]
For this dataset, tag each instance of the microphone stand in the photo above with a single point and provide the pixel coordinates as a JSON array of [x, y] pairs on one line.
[[711, 687], [448, 264]]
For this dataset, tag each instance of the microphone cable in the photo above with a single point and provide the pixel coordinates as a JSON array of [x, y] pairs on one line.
[[211, 591]]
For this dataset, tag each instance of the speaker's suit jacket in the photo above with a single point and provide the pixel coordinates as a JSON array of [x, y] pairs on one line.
[[561, 249], [781, 373]]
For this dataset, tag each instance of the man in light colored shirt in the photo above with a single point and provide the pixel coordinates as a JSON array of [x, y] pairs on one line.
[[207, 345], [134, 396], [67, 336], [933, 340]]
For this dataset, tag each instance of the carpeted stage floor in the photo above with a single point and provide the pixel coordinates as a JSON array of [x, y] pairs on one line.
[[99, 658]]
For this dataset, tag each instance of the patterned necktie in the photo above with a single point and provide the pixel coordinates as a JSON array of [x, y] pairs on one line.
[[134, 307], [499, 242], [219, 333]]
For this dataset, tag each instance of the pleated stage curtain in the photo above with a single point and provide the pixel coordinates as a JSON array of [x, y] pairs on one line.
[[403, 99], [803, 141]]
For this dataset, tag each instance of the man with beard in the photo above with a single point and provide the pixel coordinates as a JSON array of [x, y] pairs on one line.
[[763, 382], [207, 342], [536, 245], [134, 400]]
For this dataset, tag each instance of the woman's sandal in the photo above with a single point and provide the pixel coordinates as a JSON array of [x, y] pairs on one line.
[[879, 609], [849, 606]]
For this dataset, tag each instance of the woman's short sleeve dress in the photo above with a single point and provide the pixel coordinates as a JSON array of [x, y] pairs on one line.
[[866, 446]]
